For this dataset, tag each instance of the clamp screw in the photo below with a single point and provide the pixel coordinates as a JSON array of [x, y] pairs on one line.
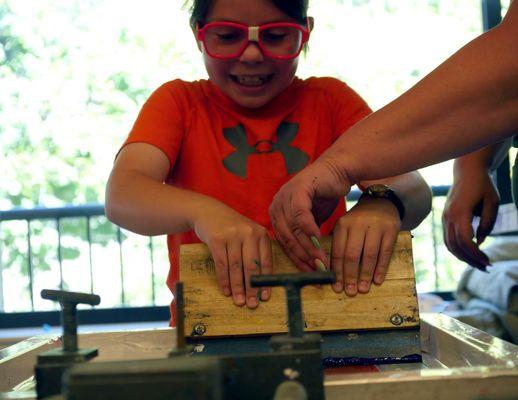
[[69, 302], [199, 329], [291, 373], [396, 319]]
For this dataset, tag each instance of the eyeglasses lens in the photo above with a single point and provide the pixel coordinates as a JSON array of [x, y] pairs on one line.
[[228, 41], [225, 40], [281, 41]]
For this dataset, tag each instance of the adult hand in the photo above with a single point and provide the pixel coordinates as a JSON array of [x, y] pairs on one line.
[[473, 194], [363, 241], [240, 248], [301, 205]]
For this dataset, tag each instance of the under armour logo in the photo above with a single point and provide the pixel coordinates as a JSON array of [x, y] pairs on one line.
[[294, 158]]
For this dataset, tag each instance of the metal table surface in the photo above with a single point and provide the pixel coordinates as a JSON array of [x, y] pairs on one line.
[[459, 362]]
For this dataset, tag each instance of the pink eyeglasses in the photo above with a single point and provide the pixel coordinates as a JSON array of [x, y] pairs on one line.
[[280, 40]]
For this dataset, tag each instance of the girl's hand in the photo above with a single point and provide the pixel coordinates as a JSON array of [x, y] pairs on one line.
[[363, 241], [240, 248]]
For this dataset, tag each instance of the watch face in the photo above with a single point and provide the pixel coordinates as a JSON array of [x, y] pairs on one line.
[[385, 192], [379, 190]]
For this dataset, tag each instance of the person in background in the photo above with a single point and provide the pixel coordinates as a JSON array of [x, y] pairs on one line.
[[469, 101], [205, 158], [487, 293]]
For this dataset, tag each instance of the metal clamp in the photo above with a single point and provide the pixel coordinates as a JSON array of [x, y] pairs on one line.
[[69, 302], [293, 283]]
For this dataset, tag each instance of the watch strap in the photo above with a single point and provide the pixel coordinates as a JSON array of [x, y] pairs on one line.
[[388, 194]]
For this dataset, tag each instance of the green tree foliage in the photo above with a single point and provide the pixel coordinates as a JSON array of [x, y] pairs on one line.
[[74, 74], [43, 160]]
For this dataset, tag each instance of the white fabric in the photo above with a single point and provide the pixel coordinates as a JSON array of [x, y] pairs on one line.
[[494, 292]]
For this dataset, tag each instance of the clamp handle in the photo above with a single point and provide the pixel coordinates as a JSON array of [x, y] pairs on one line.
[[69, 302], [181, 348], [293, 284]]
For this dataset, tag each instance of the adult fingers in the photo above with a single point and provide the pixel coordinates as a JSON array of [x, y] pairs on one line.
[[290, 244], [299, 215], [464, 230], [453, 246], [474, 255], [304, 226], [295, 226], [447, 233], [311, 245], [464, 239], [385, 253], [464, 250], [487, 220], [300, 264], [459, 232], [235, 267]]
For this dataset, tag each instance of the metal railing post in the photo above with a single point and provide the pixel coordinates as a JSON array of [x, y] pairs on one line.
[[1, 272], [153, 294], [121, 261], [491, 13], [90, 263], [29, 264], [435, 253], [60, 256]]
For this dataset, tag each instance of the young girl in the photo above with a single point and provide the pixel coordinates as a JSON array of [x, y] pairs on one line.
[[205, 158]]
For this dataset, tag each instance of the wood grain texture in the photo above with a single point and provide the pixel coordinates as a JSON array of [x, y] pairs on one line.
[[324, 310]]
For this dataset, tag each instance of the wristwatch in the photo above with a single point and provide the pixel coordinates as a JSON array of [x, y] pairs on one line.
[[380, 191]]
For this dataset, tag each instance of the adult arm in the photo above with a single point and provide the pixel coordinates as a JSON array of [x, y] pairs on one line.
[[467, 102]]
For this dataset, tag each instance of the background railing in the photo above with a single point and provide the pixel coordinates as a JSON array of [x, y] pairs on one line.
[[77, 248]]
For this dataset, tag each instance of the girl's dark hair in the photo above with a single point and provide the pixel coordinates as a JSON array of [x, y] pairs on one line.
[[296, 9]]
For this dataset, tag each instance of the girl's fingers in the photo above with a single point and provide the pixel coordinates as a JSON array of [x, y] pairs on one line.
[[219, 255], [370, 252], [266, 263], [385, 253], [235, 267], [337, 257], [352, 255], [251, 266]]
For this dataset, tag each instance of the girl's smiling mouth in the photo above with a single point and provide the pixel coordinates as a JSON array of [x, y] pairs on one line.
[[255, 80]]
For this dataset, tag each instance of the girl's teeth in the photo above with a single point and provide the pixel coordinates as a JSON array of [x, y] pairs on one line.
[[251, 80]]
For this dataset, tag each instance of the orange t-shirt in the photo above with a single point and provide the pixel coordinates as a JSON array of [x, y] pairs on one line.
[[242, 156]]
